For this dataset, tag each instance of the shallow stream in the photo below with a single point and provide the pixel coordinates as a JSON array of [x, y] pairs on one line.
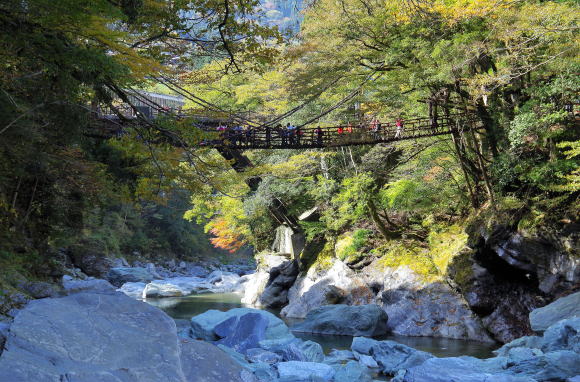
[[189, 306]]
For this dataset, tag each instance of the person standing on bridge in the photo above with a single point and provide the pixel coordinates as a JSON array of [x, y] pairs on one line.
[[375, 127], [349, 128], [400, 126], [291, 129], [248, 132], [268, 135], [319, 135], [299, 134], [238, 132], [283, 134], [340, 130]]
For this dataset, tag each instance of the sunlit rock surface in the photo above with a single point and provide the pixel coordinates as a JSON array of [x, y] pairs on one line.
[[90, 337], [269, 286], [363, 320], [414, 307], [565, 307]]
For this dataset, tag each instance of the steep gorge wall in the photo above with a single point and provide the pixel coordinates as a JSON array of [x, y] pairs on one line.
[[490, 277]]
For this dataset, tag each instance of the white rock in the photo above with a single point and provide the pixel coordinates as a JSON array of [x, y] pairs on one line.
[[134, 290]]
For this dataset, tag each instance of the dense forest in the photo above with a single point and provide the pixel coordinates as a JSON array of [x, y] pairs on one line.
[[510, 68]]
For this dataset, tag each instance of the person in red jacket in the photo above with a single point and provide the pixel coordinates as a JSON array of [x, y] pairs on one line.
[[399, 125]]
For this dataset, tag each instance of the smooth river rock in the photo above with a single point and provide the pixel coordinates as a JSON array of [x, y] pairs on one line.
[[352, 371], [242, 332], [91, 337], [391, 356], [364, 320], [553, 357], [90, 285], [122, 275], [338, 284], [565, 307], [134, 290], [204, 362], [203, 326], [456, 369], [305, 371]]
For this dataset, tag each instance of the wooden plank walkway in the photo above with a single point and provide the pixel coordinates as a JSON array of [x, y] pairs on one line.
[[345, 135], [268, 137]]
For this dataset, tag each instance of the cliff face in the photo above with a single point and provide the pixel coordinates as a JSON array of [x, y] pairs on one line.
[[477, 280], [507, 272]]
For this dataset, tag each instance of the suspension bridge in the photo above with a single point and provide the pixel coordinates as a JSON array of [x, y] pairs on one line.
[[231, 134], [242, 131]]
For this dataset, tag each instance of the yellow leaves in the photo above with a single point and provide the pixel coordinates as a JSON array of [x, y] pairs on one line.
[[456, 10]]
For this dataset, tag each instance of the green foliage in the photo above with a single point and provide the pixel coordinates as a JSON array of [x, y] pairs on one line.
[[573, 178], [348, 247]]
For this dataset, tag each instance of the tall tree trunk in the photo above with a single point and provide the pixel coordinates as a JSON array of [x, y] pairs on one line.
[[387, 234]]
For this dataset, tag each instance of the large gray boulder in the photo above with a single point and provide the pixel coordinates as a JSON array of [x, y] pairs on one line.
[[120, 276], [281, 278], [456, 369], [363, 320], [87, 337], [391, 356], [204, 362], [203, 326], [565, 307], [319, 287], [161, 290], [552, 366], [91, 285], [305, 371], [533, 342], [134, 290], [352, 371], [416, 308], [564, 335], [242, 332]]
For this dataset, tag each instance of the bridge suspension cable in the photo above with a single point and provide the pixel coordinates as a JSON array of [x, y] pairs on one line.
[[371, 77], [201, 102]]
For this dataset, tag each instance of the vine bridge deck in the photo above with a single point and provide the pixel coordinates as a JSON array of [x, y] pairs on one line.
[[335, 136]]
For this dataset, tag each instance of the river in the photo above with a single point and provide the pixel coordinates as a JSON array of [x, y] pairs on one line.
[[189, 306]]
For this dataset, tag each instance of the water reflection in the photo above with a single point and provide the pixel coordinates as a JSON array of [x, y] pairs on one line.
[[189, 306]]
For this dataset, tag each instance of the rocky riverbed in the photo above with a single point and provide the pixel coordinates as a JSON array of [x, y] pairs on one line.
[[98, 334]]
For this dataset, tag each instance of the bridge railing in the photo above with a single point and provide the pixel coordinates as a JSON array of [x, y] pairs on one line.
[[348, 134]]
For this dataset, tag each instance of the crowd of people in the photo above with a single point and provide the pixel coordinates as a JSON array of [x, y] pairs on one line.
[[291, 135]]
